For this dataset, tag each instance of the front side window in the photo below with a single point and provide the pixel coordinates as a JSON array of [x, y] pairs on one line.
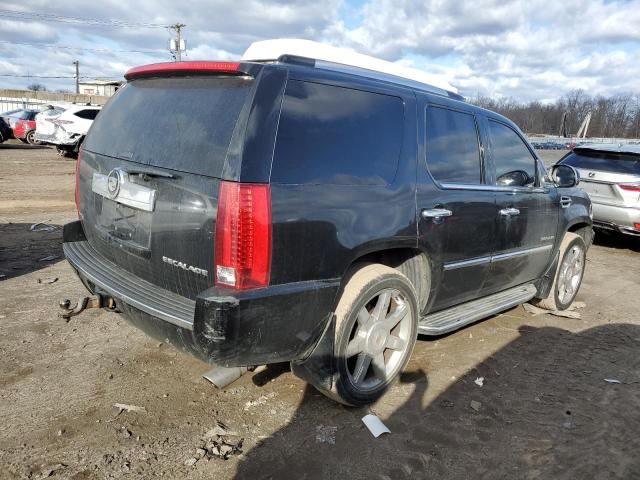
[[453, 152], [336, 135], [514, 163]]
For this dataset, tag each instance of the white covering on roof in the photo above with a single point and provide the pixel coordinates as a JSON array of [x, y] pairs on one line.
[[272, 49]]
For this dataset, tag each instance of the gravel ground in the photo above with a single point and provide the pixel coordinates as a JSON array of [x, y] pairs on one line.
[[560, 397]]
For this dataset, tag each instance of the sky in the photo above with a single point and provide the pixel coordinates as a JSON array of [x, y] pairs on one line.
[[525, 50]]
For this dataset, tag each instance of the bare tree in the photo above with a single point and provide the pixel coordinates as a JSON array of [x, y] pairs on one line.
[[37, 87], [616, 116]]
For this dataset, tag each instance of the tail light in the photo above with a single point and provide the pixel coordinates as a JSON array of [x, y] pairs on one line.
[[630, 187], [243, 235], [77, 181]]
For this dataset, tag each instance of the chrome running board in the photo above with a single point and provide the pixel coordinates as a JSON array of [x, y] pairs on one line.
[[457, 317]]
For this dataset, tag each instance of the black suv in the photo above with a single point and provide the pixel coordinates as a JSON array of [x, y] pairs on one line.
[[308, 212]]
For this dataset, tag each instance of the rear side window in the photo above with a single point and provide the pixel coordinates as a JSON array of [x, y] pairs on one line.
[[604, 162], [184, 123], [453, 153], [514, 163], [336, 135], [87, 114]]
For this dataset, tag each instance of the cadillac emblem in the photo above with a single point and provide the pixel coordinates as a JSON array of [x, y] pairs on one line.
[[114, 179]]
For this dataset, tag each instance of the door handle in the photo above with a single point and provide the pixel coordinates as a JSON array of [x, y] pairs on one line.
[[509, 212], [436, 213], [565, 202]]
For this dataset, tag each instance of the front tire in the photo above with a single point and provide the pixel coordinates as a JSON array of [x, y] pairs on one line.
[[376, 330], [569, 274]]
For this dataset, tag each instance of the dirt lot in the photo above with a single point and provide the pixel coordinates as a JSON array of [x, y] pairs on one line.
[[545, 410]]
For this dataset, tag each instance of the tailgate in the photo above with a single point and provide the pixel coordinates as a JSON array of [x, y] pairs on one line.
[[150, 175]]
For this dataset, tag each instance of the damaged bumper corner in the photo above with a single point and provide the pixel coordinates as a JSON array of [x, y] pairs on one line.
[[229, 328]]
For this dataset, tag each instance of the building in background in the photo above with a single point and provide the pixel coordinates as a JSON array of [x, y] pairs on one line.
[[100, 87]]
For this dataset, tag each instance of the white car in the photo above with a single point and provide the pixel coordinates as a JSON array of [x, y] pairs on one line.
[[67, 130]]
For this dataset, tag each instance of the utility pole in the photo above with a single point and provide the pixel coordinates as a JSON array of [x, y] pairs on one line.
[[179, 42], [77, 64]]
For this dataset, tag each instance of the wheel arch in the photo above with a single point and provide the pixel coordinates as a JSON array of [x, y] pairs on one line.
[[584, 229], [411, 262]]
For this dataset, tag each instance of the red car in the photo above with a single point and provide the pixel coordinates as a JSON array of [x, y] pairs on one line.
[[25, 126]]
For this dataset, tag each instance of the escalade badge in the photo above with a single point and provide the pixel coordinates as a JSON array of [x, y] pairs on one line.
[[114, 179], [184, 266]]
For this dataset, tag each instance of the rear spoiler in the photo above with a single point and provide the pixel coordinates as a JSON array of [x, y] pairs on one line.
[[195, 67]]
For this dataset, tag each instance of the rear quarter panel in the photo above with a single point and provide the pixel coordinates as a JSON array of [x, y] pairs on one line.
[[320, 230]]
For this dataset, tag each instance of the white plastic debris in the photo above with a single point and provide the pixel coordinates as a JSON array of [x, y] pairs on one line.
[[612, 380], [375, 425], [42, 227], [479, 381]]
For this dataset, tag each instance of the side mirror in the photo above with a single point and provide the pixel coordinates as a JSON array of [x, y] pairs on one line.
[[516, 178], [565, 176]]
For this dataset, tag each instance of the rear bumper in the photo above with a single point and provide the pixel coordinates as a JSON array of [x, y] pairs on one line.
[[226, 327], [621, 219]]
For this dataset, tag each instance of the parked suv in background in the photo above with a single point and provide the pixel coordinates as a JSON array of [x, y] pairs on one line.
[[315, 213], [611, 176], [70, 128]]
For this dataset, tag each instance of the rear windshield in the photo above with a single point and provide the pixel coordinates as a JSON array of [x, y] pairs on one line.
[[184, 124], [604, 162]]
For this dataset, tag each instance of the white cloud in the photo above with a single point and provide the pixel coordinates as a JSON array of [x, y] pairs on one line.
[[531, 49]]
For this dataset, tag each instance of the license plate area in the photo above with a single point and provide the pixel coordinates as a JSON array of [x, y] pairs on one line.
[[126, 226]]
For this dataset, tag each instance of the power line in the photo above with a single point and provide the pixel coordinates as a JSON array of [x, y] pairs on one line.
[[48, 17], [68, 47]]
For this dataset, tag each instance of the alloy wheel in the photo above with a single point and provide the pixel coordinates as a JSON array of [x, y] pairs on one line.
[[379, 340], [570, 274]]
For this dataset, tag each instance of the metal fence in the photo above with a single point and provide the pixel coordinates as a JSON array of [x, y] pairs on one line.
[[7, 104]]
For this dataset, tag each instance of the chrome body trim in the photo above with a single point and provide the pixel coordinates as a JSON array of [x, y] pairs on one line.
[[125, 192], [495, 258], [520, 253], [493, 188], [467, 263]]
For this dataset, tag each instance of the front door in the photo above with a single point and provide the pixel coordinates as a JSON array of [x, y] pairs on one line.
[[526, 217], [456, 208]]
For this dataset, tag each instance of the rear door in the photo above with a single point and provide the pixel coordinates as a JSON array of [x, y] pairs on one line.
[[456, 207], [526, 210], [150, 174]]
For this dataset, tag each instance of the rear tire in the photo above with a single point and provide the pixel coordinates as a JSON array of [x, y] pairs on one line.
[[569, 274], [30, 138], [376, 330]]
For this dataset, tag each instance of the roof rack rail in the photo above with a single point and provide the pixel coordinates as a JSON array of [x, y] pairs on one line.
[[314, 54]]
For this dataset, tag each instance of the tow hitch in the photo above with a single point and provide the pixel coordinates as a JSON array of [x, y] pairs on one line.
[[95, 301]]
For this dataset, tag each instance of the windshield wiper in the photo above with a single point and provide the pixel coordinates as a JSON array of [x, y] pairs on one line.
[[149, 172]]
